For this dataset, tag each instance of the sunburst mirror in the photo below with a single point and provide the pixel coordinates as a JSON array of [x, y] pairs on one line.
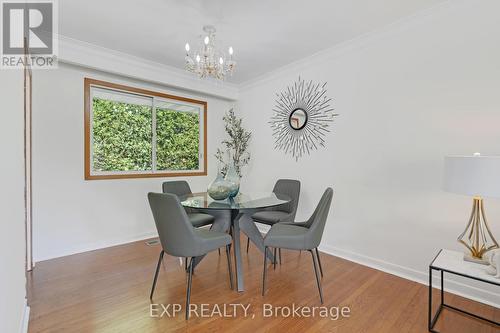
[[301, 117]]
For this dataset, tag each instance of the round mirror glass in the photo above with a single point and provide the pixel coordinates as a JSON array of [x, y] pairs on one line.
[[298, 119]]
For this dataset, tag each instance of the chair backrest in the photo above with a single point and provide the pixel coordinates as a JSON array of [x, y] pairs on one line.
[[175, 231], [317, 221], [291, 188], [177, 187]]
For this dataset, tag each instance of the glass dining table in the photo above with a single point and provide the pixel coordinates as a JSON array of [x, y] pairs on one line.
[[243, 203]]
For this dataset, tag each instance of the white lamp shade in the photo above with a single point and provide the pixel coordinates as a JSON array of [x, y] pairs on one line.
[[472, 175]]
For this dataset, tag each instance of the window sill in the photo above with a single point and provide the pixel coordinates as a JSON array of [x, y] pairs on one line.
[[145, 175]]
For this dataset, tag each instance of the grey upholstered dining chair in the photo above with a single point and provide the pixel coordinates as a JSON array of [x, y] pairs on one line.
[[301, 236], [282, 213], [179, 238], [181, 188]]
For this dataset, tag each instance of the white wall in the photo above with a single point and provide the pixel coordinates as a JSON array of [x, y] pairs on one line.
[[12, 243], [407, 96], [80, 53], [73, 215]]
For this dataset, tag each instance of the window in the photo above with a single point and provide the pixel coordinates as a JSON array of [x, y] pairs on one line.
[[132, 133]]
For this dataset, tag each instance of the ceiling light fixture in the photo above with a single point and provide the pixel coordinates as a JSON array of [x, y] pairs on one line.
[[209, 61]]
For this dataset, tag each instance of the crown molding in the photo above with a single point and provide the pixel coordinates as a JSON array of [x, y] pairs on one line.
[[89, 55], [76, 52], [356, 43]]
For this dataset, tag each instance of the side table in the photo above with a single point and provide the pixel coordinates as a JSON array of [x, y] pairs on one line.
[[452, 262]]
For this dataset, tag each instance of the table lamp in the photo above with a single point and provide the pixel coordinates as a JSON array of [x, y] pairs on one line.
[[477, 176]]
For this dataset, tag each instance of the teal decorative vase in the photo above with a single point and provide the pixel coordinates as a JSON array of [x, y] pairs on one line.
[[220, 188], [233, 179]]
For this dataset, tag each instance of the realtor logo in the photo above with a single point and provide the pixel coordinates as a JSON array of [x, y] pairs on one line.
[[28, 34]]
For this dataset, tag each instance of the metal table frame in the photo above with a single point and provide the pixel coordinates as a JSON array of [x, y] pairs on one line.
[[235, 224], [236, 214], [433, 319]]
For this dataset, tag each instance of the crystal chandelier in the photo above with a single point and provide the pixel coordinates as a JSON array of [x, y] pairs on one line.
[[208, 61]]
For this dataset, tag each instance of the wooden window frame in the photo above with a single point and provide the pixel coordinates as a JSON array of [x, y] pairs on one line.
[[88, 84]]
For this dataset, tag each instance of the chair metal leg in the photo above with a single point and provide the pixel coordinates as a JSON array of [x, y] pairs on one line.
[[156, 274], [319, 262], [228, 255], [219, 251], [275, 258], [186, 264], [279, 251], [188, 294], [248, 243], [264, 272], [317, 276]]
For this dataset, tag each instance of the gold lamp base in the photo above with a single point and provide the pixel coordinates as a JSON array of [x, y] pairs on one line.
[[468, 257], [477, 236]]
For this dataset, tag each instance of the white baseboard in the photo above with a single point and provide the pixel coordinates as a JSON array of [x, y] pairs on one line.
[[95, 246], [23, 328], [453, 287], [263, 228]]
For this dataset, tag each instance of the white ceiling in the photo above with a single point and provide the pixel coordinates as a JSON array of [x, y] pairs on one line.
[[265, 35]]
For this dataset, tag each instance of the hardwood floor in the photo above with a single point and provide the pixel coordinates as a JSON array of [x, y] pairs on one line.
[[108, 291]]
